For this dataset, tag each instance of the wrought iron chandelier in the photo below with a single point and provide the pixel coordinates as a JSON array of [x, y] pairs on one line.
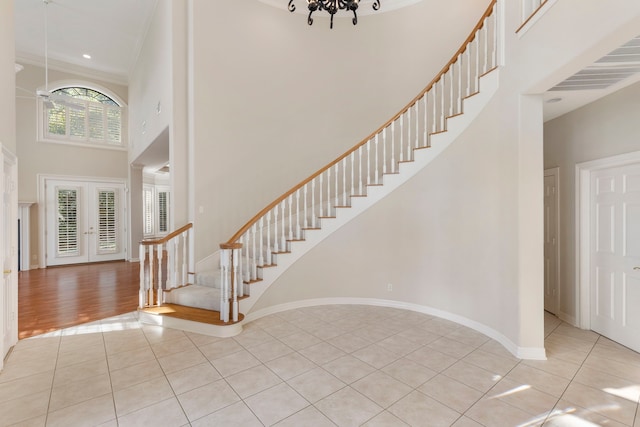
[[332, 7]]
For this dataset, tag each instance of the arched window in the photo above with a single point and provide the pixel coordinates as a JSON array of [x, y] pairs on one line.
[[76, 114]]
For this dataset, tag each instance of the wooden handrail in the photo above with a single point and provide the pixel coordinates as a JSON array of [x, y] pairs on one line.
[[168, 236], [452, 61], [534, 13]]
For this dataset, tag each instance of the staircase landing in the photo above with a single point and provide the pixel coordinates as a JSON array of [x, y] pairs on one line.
[[198, 320]]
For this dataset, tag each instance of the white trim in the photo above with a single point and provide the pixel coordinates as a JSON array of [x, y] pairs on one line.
[[220, 331], [532, 353], [42, 218], [59, 84], [555, 172], [583, 233], [25, 236]]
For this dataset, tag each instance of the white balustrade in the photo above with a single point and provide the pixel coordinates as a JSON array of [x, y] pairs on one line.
[[163, 266]]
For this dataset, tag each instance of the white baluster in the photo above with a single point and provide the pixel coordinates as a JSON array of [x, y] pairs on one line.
[[401, 138], [443, 109], [143, 287], [152, 273], [313, 203], [369, 162], [236, 283], [353, 154], [376, 157], [384, 151], [426, 120], [185, 258], [241, 261], [485, 39], [417, 119], [360, 170], [270, 248], [329, 192], [283, 234], [298, 232], [261, 243], [276, 248], [304, 206], [160, 250], [337, 176], [176, 259], [290, 217], [476, 43], [435, 107], [451, 74], [321, 192], [408, 114], [344, 181], [393, 146], [254, 256], [224, 281], [494, 41], [459, 62]]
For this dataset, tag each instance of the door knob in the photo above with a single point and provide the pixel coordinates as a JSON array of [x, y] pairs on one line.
[[6, 272], [636, 268]]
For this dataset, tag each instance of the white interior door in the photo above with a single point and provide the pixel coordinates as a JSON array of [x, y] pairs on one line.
[[551, 252], [615, 254], [85, 222], [8, 254]]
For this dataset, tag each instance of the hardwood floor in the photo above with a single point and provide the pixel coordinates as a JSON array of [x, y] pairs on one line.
[[58, 297]]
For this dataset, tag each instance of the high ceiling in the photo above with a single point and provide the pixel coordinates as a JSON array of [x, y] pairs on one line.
[[111, 32]]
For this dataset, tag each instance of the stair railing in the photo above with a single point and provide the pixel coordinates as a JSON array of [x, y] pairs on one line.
[[163, 265], [529, 9], [284, 220]]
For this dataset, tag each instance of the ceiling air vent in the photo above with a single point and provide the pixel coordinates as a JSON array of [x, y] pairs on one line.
[[612, 68]]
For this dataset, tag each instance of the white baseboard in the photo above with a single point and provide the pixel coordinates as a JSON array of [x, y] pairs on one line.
[[532, 353]]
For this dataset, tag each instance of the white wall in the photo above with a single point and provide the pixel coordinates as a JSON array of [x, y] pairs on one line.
[[150, 84], [275, 99], [604, 128], [7, 76]]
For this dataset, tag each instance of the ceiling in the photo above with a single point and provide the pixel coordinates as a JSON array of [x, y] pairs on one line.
[[112, 33], [612, 72]]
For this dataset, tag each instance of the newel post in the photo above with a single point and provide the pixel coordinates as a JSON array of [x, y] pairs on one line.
[[230, 280]]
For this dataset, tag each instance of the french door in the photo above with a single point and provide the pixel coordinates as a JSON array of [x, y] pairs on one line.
[[84, 221], [615, 254]]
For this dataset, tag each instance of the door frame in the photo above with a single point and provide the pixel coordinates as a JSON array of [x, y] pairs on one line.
[[555, 172], [7, 157], [42, 218], [583, 228]]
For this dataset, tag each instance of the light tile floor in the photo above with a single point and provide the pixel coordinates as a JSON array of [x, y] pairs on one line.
[[317, 366]]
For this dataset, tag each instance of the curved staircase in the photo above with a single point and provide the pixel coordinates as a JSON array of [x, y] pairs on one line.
[[232, 280]]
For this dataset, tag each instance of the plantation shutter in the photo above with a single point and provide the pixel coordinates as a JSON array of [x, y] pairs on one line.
[[96, 121], [77, 125], [114, 124], [162, 211], [148, 210], [67, 230], [107, 221]]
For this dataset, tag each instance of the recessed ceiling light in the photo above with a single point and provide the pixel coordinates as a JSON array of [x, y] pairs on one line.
[[86, 56], [553, 100]]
